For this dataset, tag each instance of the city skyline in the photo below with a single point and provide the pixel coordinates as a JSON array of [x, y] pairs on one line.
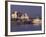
[[30, 10]]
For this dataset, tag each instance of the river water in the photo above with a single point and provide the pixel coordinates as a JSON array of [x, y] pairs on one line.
[[16, 27]]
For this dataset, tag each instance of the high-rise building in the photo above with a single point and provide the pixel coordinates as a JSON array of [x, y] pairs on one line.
[[22, 17], [14, 15], [26, 16]]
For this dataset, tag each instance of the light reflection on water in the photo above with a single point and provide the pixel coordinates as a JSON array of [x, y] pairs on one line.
[[23, 27]]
